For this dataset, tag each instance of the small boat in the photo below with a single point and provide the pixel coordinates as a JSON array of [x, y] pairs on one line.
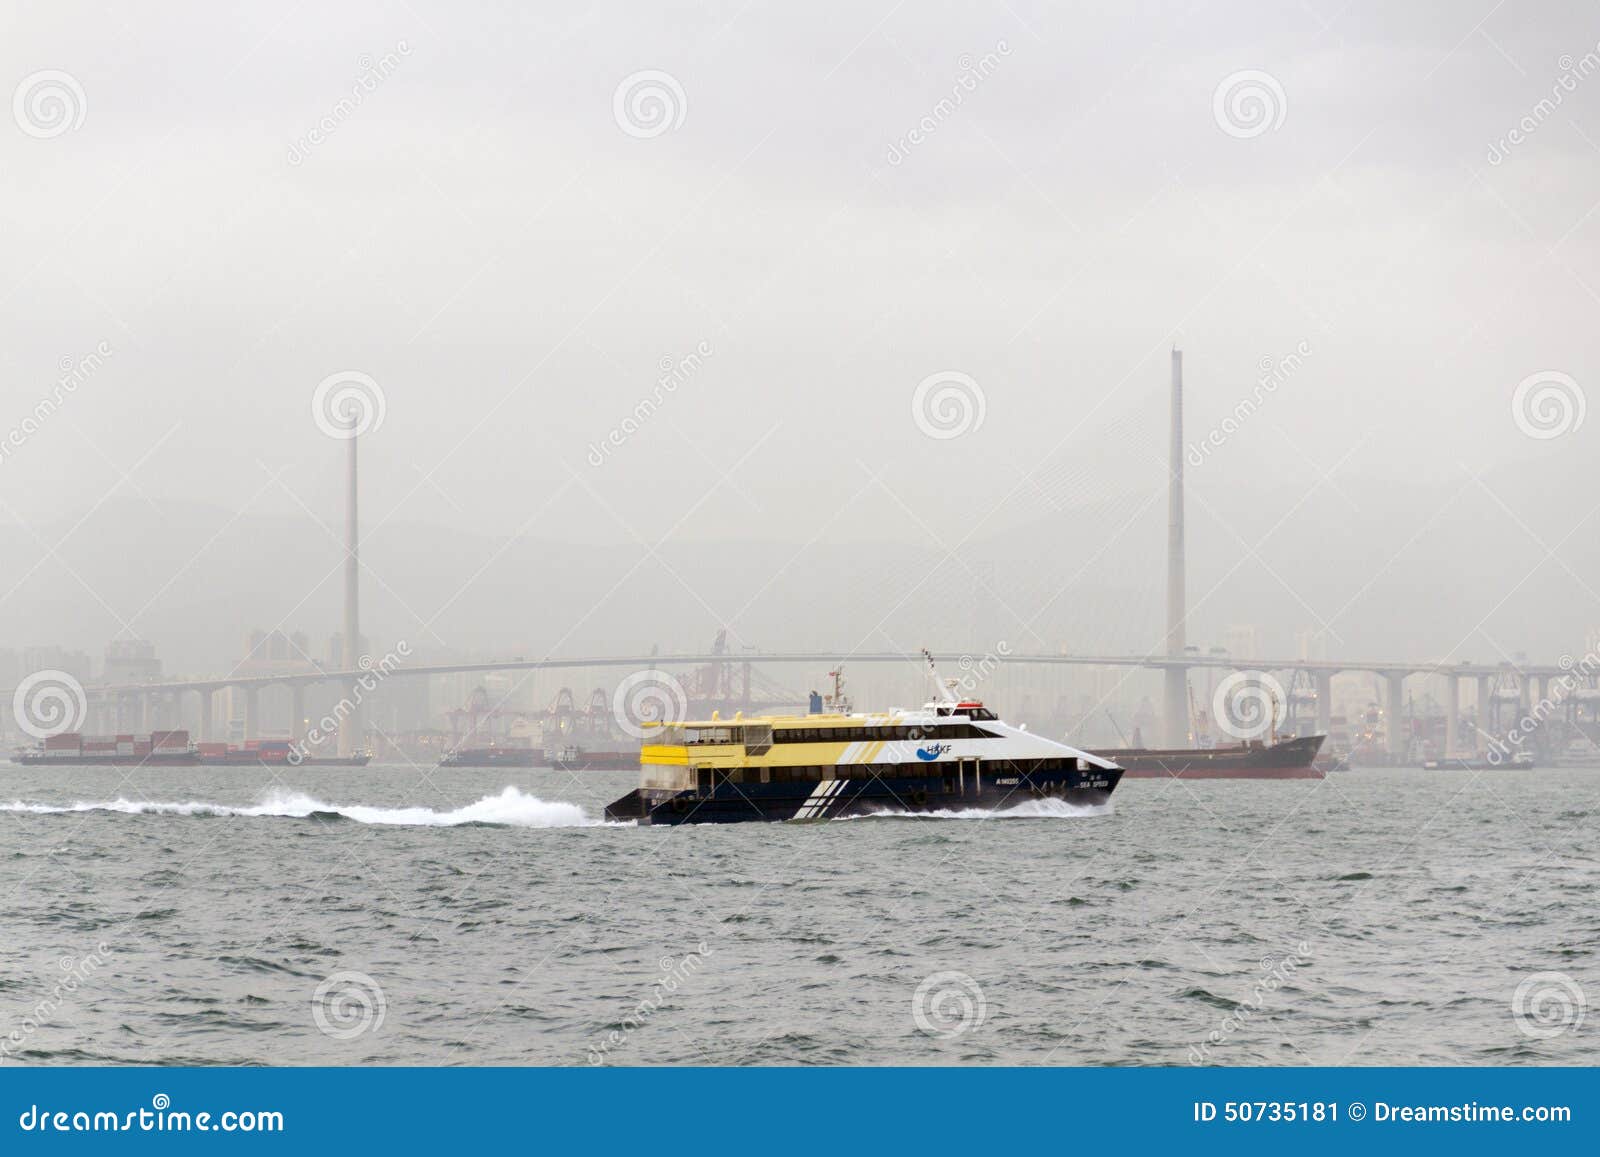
[[832, 762], [1494, 761]]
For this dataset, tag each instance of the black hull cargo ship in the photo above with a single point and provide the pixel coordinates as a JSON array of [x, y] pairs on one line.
[[1256, 759]]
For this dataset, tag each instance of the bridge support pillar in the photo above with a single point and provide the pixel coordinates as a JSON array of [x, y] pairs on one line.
[[252, 712], [1452, 715], [1486, 723], [205, 715], [297, 713], [1324, 680], [1399, 738], [1175, 707]]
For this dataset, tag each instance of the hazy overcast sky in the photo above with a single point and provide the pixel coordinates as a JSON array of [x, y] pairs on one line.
[[511, 255]]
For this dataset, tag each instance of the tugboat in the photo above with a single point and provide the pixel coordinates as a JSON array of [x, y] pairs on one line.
[[832, 762]]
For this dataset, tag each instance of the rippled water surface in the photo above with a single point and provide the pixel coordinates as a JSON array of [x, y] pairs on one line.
[[487, 917]]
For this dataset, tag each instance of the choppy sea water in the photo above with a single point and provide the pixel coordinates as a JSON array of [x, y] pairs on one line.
[[397, 915]]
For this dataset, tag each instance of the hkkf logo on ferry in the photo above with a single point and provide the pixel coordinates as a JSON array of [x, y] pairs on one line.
[[929, 752]]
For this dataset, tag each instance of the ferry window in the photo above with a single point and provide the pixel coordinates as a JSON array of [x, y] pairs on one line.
[[780, 775], [814, 774]]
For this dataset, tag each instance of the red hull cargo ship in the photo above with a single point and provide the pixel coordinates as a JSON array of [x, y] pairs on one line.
[[1293, 758]]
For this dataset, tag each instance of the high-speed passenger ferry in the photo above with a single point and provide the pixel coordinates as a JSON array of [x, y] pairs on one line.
[[953, 754]]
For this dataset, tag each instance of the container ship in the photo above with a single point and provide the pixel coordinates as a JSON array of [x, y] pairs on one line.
[[74, 749], [1286, 758], [953, 754], [272, 753], [171, 749]]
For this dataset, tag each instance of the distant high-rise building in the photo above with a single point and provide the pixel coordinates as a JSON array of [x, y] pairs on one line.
[[56, 658], [132, 661], [1242, 641], [1311, 645]]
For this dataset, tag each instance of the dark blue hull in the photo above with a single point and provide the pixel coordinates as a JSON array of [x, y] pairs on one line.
[[833, 798]]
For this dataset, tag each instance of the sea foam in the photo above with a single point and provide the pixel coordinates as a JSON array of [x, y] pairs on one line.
[[511, 808]]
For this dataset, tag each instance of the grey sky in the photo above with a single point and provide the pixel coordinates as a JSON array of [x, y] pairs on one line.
[[483, 239]]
